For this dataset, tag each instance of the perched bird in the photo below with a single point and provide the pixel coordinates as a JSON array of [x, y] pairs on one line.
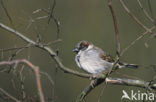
[[94, 60]]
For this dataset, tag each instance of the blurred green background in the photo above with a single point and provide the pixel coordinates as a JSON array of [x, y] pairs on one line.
[[80, 20]]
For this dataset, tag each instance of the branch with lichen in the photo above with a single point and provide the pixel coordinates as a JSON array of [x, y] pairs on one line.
[[151, 86]]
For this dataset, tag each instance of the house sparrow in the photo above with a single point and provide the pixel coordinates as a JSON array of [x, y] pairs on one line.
[[94, 60]]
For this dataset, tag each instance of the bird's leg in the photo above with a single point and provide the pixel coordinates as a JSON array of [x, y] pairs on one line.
[[92, 83], [97, 76], [92, 78]]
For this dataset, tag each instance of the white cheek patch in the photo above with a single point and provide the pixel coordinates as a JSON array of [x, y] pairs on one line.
[[89, 47]]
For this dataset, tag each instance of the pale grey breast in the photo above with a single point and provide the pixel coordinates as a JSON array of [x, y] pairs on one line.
[[91, 62]]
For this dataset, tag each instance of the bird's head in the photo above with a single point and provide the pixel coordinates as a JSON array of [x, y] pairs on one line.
[[82, 46]]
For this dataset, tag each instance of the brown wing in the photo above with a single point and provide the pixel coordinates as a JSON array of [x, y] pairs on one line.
[[104, 55], [107, 57]]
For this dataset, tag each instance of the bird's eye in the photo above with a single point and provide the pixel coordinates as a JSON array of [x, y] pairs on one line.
[[82, 47]]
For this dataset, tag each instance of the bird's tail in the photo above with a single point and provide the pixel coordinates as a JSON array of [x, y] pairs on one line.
[[126, 65]]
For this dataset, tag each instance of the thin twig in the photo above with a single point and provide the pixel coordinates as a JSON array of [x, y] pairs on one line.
[[149, 38], [6, 12], [150, 9], [16, 48], [137, 39], [57, 22], [101, 93], [116, 28], [53, 55], [89, 88], [34, 68], [134, 17], [9, 96], [17, 33], [47, 49], [22, 78], [52, 10], [145, 12]]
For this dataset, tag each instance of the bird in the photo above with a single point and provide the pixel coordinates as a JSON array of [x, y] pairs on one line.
[[94, 60]]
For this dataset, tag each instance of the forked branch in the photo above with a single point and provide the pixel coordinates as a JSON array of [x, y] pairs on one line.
[[37, 74]]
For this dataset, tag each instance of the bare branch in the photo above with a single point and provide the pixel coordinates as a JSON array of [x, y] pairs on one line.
[[34, 68], [53, 54], [89, 88], [51, 15], [128, 82], [116, 81], [17, 33], [134, 17], [6, 12], [47, 49], [145, 12], [116, 28], [150, 8], [9, 96], [137, 39], [16, 48]]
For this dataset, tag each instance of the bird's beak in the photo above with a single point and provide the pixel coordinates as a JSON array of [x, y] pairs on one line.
[[76, 50]]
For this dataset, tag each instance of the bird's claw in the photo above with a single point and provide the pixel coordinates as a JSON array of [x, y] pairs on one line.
[[92, 83]]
